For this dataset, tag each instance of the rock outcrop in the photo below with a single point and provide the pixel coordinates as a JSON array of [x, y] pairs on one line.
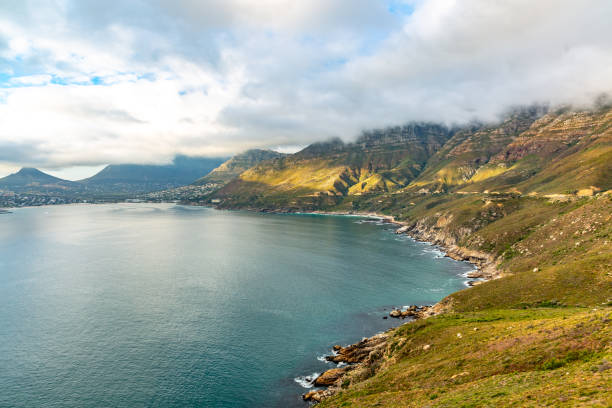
[[358, 352], [329, 377]]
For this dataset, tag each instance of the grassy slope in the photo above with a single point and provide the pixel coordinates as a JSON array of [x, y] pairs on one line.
[[233, 167], [560, 152], [536, 357], [379, 161], [538, 340], [538, 343]]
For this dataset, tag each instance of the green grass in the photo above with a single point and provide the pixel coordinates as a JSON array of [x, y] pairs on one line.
[[503, 358], [539, 335]]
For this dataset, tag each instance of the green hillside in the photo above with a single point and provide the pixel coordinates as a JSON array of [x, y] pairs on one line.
[[236, 165], [529, 200], [323, 173]]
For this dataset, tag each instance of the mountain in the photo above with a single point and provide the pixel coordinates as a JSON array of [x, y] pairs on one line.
[[528, 200], [533, 151], [139, 178], [379, 161], [236, 165], [33, 179]]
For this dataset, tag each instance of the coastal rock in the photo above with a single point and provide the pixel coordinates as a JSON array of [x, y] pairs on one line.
[[360, 351], [337, 347], [395, 313], [329, 377], [316, 396], [402, 230], [408, 313], [424, 312]]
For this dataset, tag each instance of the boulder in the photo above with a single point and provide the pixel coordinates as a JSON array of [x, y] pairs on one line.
[[395, 313], [402, 230], [337, 347], [475, 274], [316, 396], [358, 352], [329, 377]]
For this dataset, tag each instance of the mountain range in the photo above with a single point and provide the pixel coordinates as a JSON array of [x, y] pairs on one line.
[[236, 165], [527, 199], [532, 151], [33, 178], [116, 179]]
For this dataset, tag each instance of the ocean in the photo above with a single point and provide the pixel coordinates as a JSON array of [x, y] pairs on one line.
[[162, 305]]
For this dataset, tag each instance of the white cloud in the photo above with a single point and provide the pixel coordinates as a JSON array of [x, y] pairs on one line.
[[90, 83], [31, 80]]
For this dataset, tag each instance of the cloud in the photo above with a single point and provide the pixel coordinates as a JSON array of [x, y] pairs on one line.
[[31, 80], [86, 83]]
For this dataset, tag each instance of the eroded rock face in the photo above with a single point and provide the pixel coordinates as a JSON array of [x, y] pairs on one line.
[[330, 377], [425, 230], [358, 352], [402, 230], [316, 396]]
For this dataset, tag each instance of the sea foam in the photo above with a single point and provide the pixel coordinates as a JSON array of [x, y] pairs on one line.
[[306, 381]]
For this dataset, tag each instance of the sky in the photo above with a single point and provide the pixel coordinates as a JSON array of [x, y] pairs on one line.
[[85, 83]]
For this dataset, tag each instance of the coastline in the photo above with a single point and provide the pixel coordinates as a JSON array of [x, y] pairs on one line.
[[361, 358], [485, 263]]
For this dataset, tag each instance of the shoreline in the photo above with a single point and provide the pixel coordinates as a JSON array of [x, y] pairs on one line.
[[356, 358], [484, 262]]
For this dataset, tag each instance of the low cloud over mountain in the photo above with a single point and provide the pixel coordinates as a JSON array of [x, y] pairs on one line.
[[90, 83]]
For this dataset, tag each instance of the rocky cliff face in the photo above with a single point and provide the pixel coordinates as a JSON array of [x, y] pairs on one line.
[[379, 161], [236, 165], [472, 147], [532, 151]]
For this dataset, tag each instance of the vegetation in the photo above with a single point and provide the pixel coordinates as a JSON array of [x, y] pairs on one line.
[[529, 200], [534, 357]]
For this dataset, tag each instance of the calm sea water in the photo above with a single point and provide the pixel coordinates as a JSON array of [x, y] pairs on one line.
[[135, 305]]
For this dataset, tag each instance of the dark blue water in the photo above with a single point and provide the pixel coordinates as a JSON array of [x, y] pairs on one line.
[[136, 305]]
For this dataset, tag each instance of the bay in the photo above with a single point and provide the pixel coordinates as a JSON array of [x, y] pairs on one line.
[[133, 305]]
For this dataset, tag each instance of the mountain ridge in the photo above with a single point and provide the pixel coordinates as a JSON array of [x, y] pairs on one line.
[[529, 200], [237, 164], [114, 181], [29, 177], [142, 178]]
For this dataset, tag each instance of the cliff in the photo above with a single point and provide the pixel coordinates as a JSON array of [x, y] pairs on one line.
[[236, 165]]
